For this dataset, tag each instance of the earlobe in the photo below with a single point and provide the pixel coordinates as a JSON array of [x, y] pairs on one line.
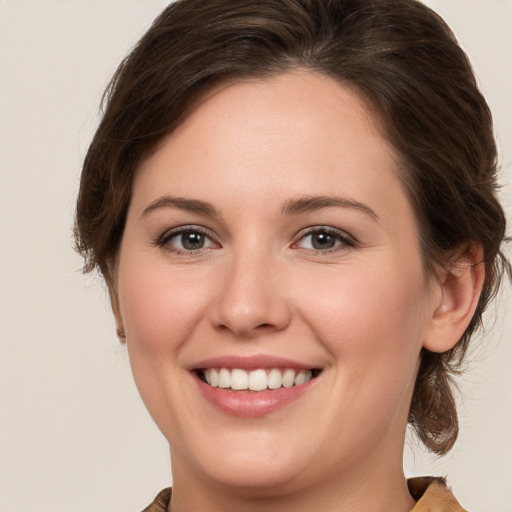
[[114, 302], [459, 289], [121, 335]]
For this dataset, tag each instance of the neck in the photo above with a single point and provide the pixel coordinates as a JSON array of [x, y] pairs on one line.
[[370, 489]]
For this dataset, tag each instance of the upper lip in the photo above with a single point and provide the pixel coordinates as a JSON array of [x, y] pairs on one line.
[[254, 362]]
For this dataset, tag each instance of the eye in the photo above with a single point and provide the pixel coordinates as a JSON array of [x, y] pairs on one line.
[[324, 239], [187, 239]]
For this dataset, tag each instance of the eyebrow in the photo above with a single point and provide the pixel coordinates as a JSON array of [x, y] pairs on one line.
[[312, 203], [188, 205], [290, 207]]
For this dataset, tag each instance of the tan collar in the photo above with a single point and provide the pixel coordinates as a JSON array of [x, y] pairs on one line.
[[432, 495]]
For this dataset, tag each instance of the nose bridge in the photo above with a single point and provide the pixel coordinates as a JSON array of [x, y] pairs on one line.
[[251, 298]]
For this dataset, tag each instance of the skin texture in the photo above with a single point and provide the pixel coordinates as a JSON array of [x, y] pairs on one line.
[[360, 311]]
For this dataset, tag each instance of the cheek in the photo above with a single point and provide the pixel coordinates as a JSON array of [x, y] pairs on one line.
[[370, 317], [159, 308]]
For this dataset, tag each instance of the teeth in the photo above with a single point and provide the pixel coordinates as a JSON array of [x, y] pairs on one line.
[[239, 379], [275, 380], [214, 378], [288, 378], [224, 378], [256, 380], [300, 378]]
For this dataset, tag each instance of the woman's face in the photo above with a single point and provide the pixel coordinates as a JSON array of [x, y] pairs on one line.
[[269, 239]]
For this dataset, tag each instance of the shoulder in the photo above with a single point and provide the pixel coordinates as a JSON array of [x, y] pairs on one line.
[[433, 495], [161, 502]]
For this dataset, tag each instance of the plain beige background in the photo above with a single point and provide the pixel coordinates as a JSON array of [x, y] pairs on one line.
[[74, 435]]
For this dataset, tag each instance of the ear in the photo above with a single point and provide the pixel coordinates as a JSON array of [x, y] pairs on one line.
[[456, 298], [114, 303]]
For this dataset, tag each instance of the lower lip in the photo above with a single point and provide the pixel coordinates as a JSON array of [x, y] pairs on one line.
[[252, 404]]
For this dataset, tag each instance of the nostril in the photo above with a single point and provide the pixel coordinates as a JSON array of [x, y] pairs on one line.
[[248, 315]]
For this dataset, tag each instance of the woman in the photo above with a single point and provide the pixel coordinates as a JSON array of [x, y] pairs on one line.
[[293, 205]]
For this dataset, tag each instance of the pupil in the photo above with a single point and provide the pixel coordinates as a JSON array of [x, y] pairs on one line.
[[192, 240], [323, 240]]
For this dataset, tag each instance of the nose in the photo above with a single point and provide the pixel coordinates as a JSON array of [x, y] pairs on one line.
[[252, 297]]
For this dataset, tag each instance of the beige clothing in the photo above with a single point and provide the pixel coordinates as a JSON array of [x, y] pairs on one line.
[[430, 493]]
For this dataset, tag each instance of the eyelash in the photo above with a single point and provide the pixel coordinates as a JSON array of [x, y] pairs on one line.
[[163, 240], [345, 240]]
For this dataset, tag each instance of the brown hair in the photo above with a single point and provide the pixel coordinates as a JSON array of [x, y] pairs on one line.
[[398, 54]]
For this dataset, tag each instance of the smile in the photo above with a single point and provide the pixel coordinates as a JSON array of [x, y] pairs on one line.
[[255, 386], [260, 379]]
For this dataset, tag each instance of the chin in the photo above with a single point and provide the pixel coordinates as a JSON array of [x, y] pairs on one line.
[[251, 463], [260, 479]]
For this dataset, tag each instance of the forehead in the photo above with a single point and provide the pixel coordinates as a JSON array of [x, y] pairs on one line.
[[252, 124], [311, 99]]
